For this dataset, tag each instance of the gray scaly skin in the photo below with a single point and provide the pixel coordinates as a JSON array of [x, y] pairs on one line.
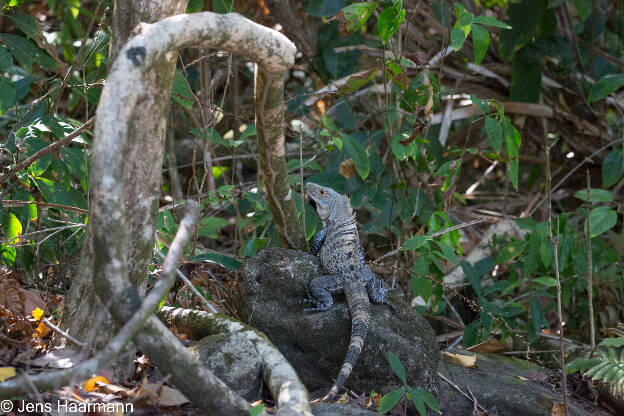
[[342, 258]]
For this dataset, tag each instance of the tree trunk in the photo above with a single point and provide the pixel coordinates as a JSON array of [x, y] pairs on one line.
[[84, 316]]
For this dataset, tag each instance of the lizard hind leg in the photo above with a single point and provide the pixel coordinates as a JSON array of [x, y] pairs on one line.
[[320, 292]]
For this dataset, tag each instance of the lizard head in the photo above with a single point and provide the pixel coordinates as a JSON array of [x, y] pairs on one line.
[[329, 203]]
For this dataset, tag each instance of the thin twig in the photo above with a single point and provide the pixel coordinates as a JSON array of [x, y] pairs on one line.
[[53, 146], [65, 334], [301, 179], [460, 390], [7, 203], [439, 233], [190, 285], [555, 243], [592, 329]]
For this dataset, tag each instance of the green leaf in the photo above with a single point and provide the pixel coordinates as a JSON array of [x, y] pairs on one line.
[[512, 172], [26, 24], [546, 281], [220, 259], [397, 366], [458, 37], [180, 92], [389, 21], [483, 105], [5, 59], [33, 145], [210, 227], [471, 333], [256, 410], [390, 400], [473, 277], [357, 153], [12, 228], [481, 43], [510, 251], [612, 168], [27, 53], [583, 8], [7, 92], [526, 81], [448, 252], [537, 314], [253, 246], [601, 219], [595, 195], [612, 342], [223, 6], [525, 18], [415, 242], [605, 86], [494, 132], [512, 139], [546, 253], [421, 396], [401, 151], [195, 6], [357, 14], [54, 193], [490, 21]]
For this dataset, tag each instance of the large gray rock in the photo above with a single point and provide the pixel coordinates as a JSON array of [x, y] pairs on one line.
[[503, 386], [316, 343], [233, 358]]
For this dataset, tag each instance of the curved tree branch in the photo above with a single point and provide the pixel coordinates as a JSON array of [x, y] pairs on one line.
[[282, 380], [231, 32]]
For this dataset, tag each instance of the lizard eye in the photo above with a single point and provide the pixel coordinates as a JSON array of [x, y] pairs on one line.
[[322, 192]]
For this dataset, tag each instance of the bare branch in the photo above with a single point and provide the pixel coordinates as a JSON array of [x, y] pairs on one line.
[[57, 144]]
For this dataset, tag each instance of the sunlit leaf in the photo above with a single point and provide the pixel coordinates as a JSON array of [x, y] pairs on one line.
[[389, 21], [27, 53]]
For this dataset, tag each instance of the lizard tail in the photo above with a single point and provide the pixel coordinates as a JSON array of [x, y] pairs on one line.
[[360, 315]]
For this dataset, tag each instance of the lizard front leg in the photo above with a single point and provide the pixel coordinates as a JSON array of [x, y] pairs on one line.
[[320, 292], [375, 288]]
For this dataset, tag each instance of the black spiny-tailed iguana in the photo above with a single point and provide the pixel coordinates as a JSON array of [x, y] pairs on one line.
[[342, 258]]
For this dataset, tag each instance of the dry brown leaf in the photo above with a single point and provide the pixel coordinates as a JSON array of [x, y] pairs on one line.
[[463, 360], [19, 301], [492, 345], [6, 372], [165, 396], [557, 409], [374, 400], [343, 399], [347, 168]]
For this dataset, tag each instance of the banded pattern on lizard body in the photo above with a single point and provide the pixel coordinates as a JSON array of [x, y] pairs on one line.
[[345, 271]]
